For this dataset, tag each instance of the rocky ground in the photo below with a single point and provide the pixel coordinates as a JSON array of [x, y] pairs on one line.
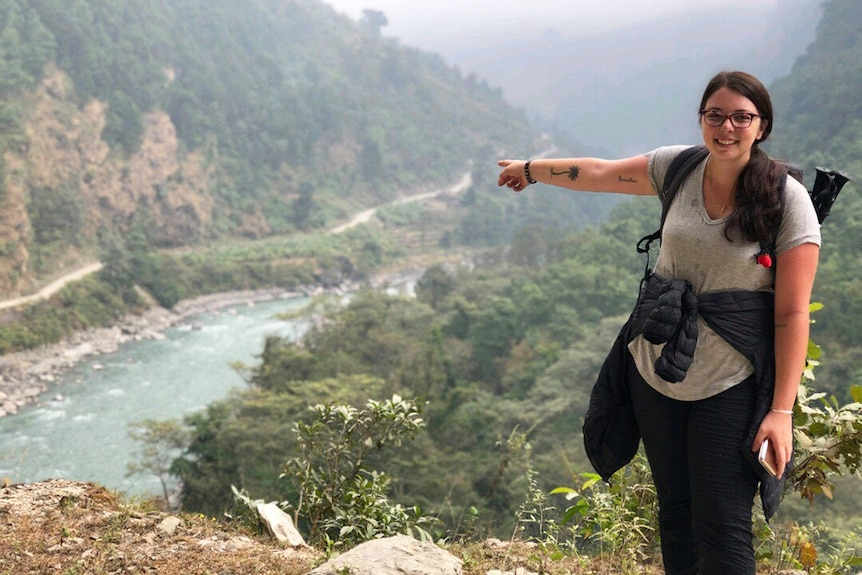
[[67, 528], [70, 528]]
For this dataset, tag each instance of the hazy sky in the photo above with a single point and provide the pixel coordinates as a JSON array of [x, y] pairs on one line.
[[427, 23], [592, 65]]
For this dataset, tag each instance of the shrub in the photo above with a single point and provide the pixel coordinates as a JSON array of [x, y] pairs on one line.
[[341, 500]]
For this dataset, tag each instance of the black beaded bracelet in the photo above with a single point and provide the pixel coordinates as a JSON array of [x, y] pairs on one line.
[[530, 180]]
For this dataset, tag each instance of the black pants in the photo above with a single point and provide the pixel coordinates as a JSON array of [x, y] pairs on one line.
[[705, 486]]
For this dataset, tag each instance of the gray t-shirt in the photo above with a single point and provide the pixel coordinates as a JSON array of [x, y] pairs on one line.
[[694, 248]]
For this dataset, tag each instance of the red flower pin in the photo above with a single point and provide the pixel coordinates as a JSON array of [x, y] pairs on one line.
[[765, 260]]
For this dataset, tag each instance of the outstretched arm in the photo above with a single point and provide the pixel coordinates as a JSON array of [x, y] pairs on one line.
[[627, 176]]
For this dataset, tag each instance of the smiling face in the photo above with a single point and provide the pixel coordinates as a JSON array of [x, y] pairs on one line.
[[726, 142]]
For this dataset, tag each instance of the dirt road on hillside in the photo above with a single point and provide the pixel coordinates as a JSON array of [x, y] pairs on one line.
[[52, 287], [364, 216], [461, 186], [360, 218]]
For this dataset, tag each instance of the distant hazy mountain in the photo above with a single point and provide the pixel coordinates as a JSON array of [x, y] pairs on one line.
[[635, 88]]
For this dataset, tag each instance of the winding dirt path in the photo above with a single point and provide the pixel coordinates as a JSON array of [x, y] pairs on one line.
[[364, 216], [52, 287], [460, 186], [360, 218]]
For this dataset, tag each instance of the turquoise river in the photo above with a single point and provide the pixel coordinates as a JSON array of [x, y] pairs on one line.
[[79, 429]]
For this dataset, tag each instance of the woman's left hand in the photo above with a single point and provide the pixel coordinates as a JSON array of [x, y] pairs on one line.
[[778, 428]]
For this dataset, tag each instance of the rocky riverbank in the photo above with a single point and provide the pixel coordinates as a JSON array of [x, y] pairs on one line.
[[27, 375]]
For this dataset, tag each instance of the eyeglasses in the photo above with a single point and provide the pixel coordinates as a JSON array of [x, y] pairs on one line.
[[715, 118]]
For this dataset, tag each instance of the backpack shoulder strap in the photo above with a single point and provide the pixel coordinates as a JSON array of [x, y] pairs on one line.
[[677, 172], [767, 247], [679, 169]]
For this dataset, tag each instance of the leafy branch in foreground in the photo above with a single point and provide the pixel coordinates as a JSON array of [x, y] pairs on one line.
[[828, 441], [340, 499], [618, 520], [828, 435]]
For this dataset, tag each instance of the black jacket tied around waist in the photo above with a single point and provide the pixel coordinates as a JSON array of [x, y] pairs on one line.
[[671, 320], [666, 312]]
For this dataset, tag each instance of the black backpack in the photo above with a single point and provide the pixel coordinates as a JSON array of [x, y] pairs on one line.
[[827, 185]]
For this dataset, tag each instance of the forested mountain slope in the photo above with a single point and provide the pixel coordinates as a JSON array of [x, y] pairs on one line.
[[190, 120], [819, 123]]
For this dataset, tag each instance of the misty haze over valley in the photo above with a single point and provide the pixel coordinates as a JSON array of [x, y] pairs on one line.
[[618, 90]]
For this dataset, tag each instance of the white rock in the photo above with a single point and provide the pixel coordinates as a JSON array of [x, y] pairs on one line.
[[398, 555], [279, 524], [169, 525]]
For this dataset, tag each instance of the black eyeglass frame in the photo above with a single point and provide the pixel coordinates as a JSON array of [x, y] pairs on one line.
[[747, 124]]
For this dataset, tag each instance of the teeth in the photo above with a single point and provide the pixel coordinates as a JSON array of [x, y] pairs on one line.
[[726, 142]]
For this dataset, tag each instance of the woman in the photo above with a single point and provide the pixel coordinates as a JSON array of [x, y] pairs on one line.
[[692, 429]]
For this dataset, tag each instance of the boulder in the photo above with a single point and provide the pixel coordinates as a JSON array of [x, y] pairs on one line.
[[398, 555], [279, 524]]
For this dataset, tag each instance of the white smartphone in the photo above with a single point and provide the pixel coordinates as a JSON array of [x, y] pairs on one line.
[[766, 458]]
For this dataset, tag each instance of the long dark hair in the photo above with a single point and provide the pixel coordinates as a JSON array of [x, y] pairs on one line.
[[758, 203]]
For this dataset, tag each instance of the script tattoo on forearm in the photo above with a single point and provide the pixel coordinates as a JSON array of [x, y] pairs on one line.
[[628, 180], [573, 173]]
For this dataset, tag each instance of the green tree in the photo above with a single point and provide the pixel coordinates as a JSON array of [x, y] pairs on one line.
[[492, 334], [125, 124], [211, 463], [161, 443], [374, 20], [303, 206], [528, 248], [340, 497], [434, 286], [282, 365], [57, 215]]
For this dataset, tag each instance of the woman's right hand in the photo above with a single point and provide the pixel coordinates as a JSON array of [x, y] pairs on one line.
[[513, 175]]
